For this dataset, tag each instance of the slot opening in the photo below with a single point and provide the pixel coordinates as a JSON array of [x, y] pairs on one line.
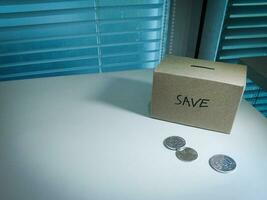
[[203, 67]]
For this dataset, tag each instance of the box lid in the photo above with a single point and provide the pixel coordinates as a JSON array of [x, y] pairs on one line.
[[234, 74], [257, 69]]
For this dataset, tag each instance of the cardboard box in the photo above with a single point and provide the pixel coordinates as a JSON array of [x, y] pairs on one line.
[[257, 70], [198, 93]]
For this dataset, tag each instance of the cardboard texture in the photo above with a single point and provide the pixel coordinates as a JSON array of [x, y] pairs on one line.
[[257, 70], [198, 93]]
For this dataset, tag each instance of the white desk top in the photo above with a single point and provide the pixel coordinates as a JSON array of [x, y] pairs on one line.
[[90, 137]]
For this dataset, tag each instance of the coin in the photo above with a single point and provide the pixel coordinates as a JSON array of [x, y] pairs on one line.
[[222, 163], [187, 154], [174, 142]]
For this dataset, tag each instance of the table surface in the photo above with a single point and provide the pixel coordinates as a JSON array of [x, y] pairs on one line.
[[91, 137]]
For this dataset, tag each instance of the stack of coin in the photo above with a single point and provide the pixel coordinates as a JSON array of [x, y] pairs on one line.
[[177, 144]]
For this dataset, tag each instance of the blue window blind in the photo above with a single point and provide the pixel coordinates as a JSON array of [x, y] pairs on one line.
[[242, 32], [59, 37]]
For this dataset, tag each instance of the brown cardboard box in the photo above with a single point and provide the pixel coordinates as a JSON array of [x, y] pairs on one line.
[[257, 70], [198, 93]]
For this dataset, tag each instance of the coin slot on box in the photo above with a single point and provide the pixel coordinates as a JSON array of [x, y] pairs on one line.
[[203, 67]]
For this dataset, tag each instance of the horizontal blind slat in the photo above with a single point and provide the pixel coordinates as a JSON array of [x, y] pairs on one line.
[[47, 30], [244, 43], [41, 5], [247, 23], [242, 53], [245, 3], [64, 64], [248, 12], [52, 72], [47, 45], [129, 66]]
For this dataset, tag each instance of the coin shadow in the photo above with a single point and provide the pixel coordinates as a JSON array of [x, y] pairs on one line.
[[128, 94]]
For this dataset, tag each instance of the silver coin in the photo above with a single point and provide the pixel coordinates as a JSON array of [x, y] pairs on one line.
[[222, 163], [187, 154], [174, 142]]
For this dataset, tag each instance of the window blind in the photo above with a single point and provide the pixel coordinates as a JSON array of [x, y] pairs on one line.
[[48, 38], [236, 29], [245, 35], [245, 30]]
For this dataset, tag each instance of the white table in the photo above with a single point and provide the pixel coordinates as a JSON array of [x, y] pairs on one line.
[[90, 137]]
